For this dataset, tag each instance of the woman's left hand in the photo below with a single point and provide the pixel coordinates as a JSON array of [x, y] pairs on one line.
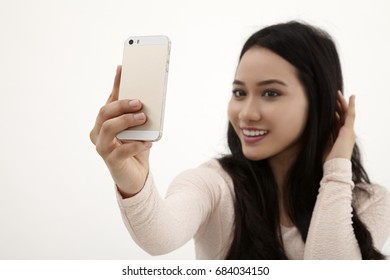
[[345, 141]]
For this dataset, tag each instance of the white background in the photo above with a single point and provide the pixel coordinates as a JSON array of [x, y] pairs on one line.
[[57, 63]]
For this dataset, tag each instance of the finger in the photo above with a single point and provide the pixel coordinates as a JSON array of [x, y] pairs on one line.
[[110, 128], [94, 134], [343, 102], [339, 107], [339, 114], [343, 107], [113, 110], [128, 150], [117, 108], [351, 114], [337, 118], [115, 88]]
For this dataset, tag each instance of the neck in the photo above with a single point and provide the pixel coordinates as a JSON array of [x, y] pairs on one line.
[[281, 166]]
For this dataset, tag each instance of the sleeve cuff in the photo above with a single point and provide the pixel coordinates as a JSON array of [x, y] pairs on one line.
[[140, 197], [338, 170]]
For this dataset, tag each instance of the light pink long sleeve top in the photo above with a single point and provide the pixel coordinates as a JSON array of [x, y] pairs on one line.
[[200, 204]]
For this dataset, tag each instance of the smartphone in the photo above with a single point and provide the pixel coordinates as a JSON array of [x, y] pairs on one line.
[[144, 77]]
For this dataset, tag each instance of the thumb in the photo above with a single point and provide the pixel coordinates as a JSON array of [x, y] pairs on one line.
[[115, 88]]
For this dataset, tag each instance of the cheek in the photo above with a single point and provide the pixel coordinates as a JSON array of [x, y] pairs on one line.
[[294, 121], [232, 111]]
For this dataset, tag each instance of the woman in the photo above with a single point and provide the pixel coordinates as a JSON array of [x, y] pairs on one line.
[[293, 186]]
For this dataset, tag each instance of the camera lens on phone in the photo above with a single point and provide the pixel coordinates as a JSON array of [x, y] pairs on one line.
[[131, 42]]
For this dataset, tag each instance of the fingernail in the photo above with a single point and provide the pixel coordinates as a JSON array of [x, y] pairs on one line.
[[139, 117], [134, 103]]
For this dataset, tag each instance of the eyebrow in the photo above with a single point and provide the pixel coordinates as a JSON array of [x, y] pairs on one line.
[[262, 83]]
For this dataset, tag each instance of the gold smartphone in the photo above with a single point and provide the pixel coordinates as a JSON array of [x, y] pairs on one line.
[[144, 77]]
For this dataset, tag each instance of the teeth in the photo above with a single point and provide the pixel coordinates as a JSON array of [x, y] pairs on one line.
[[252, 133]]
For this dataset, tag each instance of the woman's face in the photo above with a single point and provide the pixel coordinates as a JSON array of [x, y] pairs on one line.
[[268, 108]]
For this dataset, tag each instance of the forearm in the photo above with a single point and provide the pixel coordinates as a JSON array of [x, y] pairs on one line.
[[331, 234], [162, 225], [153, 222]]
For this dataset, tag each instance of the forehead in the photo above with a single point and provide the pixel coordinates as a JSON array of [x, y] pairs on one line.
[[259, 63]]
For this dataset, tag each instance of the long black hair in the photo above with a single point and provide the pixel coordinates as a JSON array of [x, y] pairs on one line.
[[257, 219]]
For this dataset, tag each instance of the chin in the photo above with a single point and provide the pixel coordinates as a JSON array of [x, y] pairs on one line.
[[253, 156]]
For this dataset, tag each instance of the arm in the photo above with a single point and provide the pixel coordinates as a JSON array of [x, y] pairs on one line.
[[159, 225], [374, 212], [331, 234]]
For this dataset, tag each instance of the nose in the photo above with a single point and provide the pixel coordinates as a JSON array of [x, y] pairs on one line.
[[250, 111]]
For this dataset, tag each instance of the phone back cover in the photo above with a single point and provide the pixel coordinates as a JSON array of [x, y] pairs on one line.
[[144, 77]]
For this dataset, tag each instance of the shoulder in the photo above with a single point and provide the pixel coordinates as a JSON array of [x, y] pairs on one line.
[[365, 195]]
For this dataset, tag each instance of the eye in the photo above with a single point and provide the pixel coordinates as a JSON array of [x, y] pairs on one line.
[[238, 93], [270, 93]]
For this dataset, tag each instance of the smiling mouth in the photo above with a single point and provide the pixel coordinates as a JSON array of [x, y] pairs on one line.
[[254, 132]]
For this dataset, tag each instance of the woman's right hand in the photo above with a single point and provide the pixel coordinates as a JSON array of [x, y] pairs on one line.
[[128, 162]]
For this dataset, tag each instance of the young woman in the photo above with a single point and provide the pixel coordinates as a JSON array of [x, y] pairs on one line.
[[293, 186]]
